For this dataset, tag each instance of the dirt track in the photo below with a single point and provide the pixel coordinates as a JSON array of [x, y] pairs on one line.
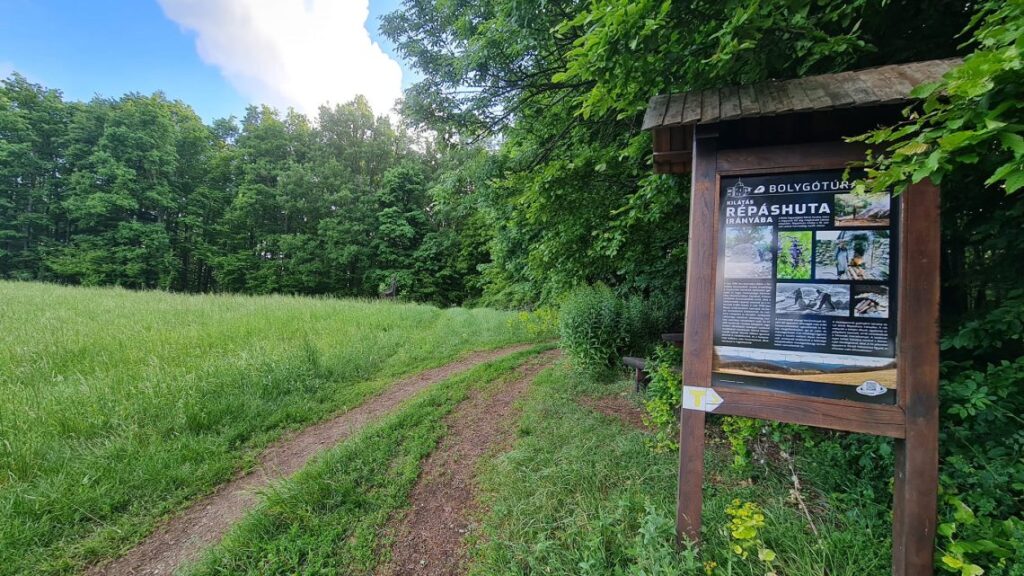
[[429, 539], [182, 538]]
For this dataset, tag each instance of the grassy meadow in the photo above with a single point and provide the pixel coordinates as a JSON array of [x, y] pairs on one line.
[[578, 493], [120, 407], [583, 494], [330, 518]]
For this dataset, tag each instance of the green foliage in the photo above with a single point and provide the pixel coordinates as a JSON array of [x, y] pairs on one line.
[[964, 537], [746, 520], [740, 431], [597, 327], [582, 493], [794, 257], [591, 328], [138, 192], [971, 118], [663, 398], [540, 323]]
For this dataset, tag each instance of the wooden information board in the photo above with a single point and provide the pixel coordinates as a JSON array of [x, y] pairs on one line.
[[807, 304]]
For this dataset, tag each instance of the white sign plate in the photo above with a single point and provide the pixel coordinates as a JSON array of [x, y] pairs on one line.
[[701, 398]]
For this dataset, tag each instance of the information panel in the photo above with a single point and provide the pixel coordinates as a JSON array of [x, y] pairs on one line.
[[806, 296]]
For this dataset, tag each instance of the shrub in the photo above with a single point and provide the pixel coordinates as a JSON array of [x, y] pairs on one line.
[[539, 323], [663, 398], [590, 325], [597, 327]]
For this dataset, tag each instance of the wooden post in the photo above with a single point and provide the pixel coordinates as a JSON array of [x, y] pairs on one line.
[[697, 351], [915, 491]]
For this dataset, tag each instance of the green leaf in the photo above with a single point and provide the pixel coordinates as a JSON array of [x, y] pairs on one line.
[[925, 90], [952, 562], [1013, 142], [1014, 182], [912, 148], [956, 139], [963, 513], [971, 570]]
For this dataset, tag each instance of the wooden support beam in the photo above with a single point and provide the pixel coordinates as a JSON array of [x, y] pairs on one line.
[[915, 492], [697, 351]]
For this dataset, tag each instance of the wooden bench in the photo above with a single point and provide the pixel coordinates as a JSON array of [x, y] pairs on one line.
[[641, 377], [639, 365]]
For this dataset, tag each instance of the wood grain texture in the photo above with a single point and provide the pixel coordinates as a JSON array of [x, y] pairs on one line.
[[815, 93], [709, 105], [674, 113], [692, 108], [877, 419], [868, 87], [915, 492], [767, 100], [797, 95], [729, 99], [780, 98], [789, 158], [655, 114], [700, 285], [748, 101], [835, 89]]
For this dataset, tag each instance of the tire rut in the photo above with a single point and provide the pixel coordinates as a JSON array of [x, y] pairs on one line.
[[185, 536], [429, 539]]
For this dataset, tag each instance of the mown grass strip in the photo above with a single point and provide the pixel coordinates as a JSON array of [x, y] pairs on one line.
[[329, 518], [582, 494], [122, 407]]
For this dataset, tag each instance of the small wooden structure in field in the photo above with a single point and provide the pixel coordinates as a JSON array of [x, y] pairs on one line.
[[795, 310]]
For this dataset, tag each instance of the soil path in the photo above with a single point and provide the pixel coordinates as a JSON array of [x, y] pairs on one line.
[[185, 536], [622, 409], [429, 539]]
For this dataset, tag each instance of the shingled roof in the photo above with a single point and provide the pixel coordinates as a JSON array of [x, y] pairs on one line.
[[870, 87]]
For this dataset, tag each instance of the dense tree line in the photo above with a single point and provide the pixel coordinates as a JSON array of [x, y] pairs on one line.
[[574, 203], [565, 84], [139, 192]]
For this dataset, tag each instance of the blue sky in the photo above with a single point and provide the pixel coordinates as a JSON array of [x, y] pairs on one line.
[[110, 47]]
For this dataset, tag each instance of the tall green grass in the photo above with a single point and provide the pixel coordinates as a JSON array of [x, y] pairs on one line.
[[119, 407], [330, 518], [581, 494]]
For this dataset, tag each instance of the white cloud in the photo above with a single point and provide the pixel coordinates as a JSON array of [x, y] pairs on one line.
[[299, 53]]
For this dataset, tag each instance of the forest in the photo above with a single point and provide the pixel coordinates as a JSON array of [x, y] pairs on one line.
[[138, 192], [515, 175]]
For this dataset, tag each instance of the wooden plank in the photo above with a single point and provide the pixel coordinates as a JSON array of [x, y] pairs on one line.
[[834, 86], [896, 82], [924, 72], [815, 93], [729, 100], [768, 100], [780, 96], [918, 73], [915, 492], [672, 156], [862, 93], [674, 114], [699, 328], [781, 158], [797, 96], [691, 111], [709, 109], [844, 415], [881, 86], [748, 101], [655, 112]]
